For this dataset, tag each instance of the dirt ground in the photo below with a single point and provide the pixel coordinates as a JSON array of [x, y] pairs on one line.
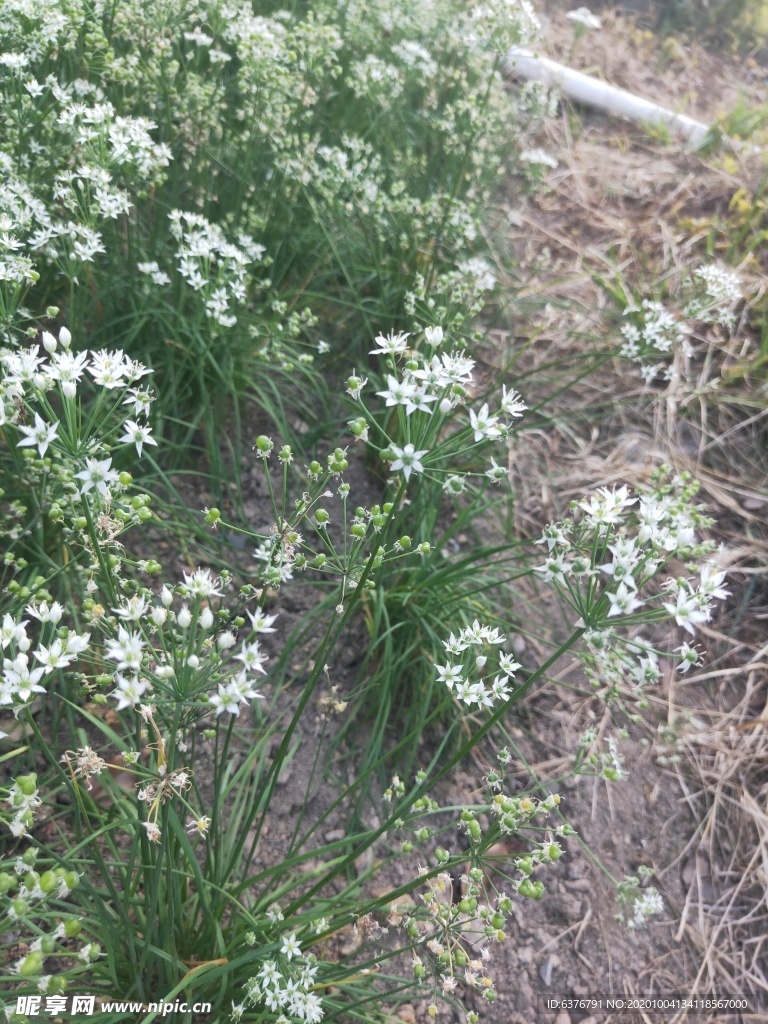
[[693, 806]]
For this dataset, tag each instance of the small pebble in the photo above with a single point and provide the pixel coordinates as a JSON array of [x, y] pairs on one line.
[[545, 971]]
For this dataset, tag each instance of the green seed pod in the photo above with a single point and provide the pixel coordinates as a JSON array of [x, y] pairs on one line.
[[28, 785], [20, 907], [73, 927], [72, 879], [48, 882], [32, 964]]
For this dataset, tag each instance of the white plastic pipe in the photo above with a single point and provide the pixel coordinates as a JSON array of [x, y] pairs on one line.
[[584, 89]]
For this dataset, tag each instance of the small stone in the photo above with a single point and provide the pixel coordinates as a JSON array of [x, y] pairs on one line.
[[576, 869], [563, 1018], [334, 835], [525, 954], [545, 971], [580, 885], [407, 1014]]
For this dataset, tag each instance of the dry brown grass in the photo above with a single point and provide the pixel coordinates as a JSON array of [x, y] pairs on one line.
[[624, 206]]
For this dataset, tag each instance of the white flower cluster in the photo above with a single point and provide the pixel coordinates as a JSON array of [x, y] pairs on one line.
[[653, 331], [640, 542], [28, 373], [85, 165], [628, 540], [455, 674], [659, 339], [600, 757], [212, 265], [722, 286], [638, 905], [539, 158], [22, 680], [435, 383], [285, 986], [190, 648]]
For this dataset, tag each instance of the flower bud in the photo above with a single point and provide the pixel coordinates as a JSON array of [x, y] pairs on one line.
[[225, 641], [65, 337], [49, 342], [184, 618], [166, 597], [159, 615], [206, 618]]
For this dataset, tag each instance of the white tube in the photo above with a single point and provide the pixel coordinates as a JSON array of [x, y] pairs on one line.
[[584, 89]]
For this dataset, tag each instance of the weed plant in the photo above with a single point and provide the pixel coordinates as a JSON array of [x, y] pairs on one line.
[[233, 182], [151, 889]]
